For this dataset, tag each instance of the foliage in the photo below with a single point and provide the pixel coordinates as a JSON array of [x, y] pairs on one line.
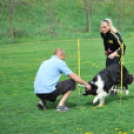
[[32, 18]]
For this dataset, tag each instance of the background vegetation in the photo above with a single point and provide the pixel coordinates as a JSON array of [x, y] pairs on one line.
[[25, 20]]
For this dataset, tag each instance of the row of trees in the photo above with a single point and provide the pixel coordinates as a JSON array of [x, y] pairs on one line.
[[120, 8], [123, 9]]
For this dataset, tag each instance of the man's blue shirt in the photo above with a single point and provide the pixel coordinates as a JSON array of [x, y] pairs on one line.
[[49, 74]]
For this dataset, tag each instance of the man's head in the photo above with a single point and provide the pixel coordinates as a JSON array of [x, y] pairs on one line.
[[60, 53]]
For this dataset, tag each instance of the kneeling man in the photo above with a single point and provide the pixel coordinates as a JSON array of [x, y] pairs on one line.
[[47, 86]]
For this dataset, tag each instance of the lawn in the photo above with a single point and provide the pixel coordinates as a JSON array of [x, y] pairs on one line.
[[18, 111]]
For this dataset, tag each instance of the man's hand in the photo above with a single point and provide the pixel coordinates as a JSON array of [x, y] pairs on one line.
[[76, 78], [88, 87]]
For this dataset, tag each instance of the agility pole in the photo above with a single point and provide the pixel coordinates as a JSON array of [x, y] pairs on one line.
[[78, 42], [122, 53]]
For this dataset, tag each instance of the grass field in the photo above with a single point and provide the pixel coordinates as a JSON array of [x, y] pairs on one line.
[[18, 112]]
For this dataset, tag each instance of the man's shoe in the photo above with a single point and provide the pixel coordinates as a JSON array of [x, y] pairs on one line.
[[63, 108], [42, 105], [113, 93]]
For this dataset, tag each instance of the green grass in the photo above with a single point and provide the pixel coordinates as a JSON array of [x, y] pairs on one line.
[[18, 112]]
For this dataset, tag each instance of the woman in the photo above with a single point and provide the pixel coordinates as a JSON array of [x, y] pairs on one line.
[[113, 44]]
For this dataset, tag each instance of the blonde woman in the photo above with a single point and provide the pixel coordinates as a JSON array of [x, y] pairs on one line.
[[112, 43]]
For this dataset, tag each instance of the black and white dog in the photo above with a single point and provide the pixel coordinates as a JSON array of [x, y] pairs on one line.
[[103, 82]]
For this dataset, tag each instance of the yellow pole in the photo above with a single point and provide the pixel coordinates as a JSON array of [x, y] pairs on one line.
[[79, 61], [122, 53]]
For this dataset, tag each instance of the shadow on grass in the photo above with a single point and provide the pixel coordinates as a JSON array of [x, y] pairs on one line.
[[117, 98], [109, 100], [88, 102], [53, 105]]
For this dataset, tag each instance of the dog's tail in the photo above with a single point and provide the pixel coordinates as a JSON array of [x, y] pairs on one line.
[[133, 78], [130, 79]]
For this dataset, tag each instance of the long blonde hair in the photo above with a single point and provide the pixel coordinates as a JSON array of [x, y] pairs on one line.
[[108, 22]]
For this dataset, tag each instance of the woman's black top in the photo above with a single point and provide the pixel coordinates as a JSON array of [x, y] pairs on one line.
[[113, 41]]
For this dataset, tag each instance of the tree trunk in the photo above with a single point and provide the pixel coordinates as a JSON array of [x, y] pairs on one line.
[[119, 10], [10, 6], [123, 14], [87, 21], [88, 7], [122, 24], [90, 15], [85, 2], [51, 27]]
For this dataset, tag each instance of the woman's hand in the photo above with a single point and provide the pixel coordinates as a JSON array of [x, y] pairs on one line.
[[111, 56], [105, 52]]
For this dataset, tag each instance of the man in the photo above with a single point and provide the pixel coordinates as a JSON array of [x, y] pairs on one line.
[[46, 85]]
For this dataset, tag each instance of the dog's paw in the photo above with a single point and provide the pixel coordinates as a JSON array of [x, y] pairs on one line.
[[100, 105], [127, 92], [95, 100], [97, 105]]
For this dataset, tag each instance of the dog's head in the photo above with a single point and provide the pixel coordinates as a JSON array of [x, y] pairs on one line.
[[92, 91]]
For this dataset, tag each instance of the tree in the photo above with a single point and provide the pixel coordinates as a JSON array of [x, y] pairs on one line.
[[11, 8], [88, 6], [48, 7], [125, 10], [120, 10], [51, 16], [86, 15], [119, 15]]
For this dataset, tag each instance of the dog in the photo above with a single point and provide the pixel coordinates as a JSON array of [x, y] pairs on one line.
[[104, 81]]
